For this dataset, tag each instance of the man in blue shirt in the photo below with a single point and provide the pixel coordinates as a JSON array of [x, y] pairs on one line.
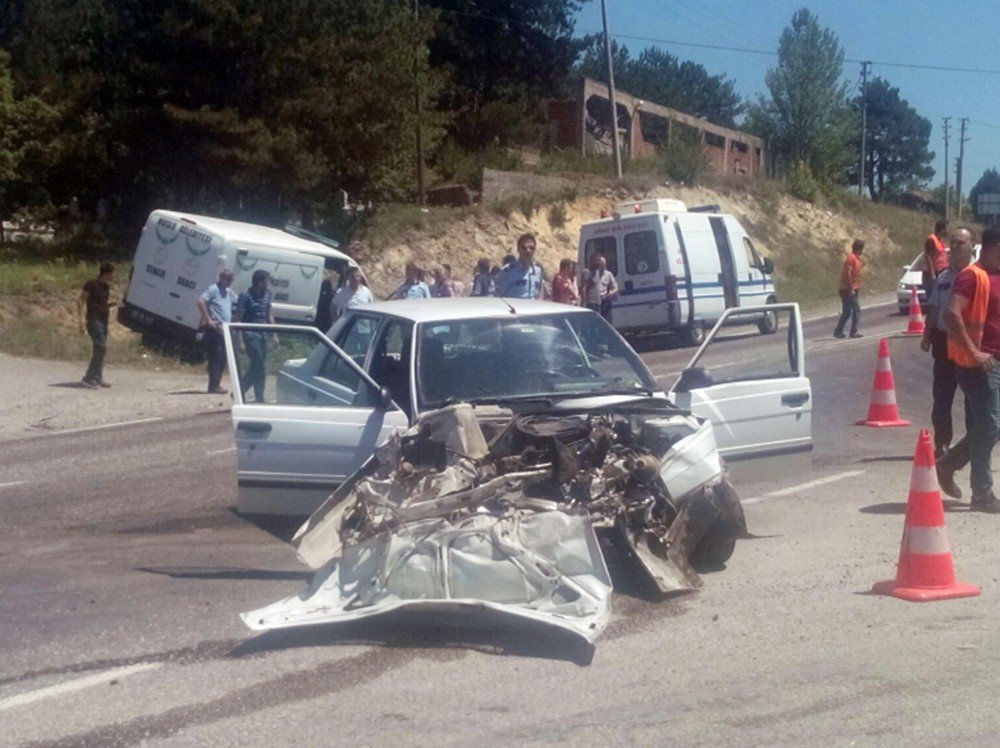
[[523, 278], [216, 307], [254, 305], [413, 287]]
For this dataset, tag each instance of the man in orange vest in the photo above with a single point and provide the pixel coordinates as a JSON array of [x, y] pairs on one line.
[[973, 320], [848, 287], [935, 256]]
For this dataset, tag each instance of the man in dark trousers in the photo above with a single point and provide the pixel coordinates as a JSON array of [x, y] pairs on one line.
[[935, 340], [93, 307], [216, 307], [849, 287], [973, 319]]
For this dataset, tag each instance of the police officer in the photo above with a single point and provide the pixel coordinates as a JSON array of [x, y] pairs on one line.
[[523, 278]]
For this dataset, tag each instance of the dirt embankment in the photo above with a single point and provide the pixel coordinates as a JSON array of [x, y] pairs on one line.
[[780, 226]]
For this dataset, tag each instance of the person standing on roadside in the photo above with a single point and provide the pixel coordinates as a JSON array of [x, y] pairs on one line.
[[444, 286], [216, 307], [564, 289], [93, 308], [522, 278], [599, 286], [254, 306], [935, 256], [935, 340], [413, 287], [353, 293], [482, 280], [973, 320], [849, 288]]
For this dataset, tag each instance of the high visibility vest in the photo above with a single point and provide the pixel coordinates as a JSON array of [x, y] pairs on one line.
[[974, 317], [940, 260]]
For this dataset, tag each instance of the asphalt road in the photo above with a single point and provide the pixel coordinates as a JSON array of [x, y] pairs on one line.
[[123, 569]]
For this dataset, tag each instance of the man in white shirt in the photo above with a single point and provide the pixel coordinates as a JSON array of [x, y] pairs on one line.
[[352, 294]]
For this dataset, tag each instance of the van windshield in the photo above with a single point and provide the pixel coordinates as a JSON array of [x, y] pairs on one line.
[[551, 356]]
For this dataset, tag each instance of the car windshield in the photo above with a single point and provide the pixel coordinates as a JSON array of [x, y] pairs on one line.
[[552, 356], [918, 264]]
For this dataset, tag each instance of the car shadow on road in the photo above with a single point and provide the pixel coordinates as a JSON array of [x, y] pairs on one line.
[[283, 527], [224, 572], [483, 631]]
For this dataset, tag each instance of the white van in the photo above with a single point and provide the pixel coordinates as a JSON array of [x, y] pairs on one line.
[[180, 255], [678, 270]]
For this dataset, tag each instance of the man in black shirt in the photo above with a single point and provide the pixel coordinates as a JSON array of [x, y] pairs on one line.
[[93, 308]]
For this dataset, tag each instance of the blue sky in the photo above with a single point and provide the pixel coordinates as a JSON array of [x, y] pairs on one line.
[[959, 33]]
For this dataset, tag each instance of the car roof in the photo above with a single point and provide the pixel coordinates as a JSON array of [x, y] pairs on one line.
[[455, 308]]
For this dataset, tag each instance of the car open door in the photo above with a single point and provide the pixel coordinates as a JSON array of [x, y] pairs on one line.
[[757, 396], [306, 414]]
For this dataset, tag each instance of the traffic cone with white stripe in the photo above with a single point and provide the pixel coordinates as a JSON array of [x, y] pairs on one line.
[[925, 570], [916, 323], [882, 409]]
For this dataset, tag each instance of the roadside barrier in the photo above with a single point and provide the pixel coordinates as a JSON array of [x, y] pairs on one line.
[[882, 409], [925, 570], [916, 324]]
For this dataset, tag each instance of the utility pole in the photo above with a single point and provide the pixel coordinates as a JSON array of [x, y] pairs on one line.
[[611, 96], [947, 194], [865, 68], [961, 160], [421, 192]]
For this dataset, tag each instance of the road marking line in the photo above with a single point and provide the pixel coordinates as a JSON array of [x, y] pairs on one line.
[[815, 483], [105, 426], [13, 483], [221, 451], [73, 686]]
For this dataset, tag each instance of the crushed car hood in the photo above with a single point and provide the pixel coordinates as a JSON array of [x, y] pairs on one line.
[[443, 517]]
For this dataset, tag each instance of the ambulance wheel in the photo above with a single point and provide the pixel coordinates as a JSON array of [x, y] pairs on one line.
[[694, 334], [768, 324]]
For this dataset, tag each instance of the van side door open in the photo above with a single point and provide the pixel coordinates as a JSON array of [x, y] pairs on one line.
[[760, 403], [727, 264], [306, 414]]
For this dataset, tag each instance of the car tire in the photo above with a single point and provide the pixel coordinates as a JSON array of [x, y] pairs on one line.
[[904, 311], [717, 545], [768, 324], [693, 334]]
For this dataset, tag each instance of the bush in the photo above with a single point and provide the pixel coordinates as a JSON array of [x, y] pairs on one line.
[[682, 160], [802, 184], [557, 216]]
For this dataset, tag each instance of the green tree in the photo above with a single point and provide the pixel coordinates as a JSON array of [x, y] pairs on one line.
[[897, 155], [660, 77], [806, 117], [989, 183], [503, 58]]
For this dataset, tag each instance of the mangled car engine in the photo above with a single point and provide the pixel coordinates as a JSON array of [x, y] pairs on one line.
[[502, 515]]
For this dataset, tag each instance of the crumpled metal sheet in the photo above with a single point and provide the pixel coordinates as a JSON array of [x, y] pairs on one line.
[[438, 518], [539, 565]]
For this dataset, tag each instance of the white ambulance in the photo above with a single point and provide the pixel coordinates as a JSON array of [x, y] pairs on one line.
[[678, 270], [179, 255]]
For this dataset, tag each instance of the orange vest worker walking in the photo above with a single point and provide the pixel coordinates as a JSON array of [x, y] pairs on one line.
[[849, 286]]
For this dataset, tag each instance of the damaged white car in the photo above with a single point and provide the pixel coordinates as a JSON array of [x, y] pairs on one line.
[[477, 446]]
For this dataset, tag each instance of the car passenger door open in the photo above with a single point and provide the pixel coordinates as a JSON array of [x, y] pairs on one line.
[[758, 400], [306, 414]]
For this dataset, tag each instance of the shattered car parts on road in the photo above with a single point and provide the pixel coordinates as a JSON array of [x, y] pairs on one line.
[[438, 518]]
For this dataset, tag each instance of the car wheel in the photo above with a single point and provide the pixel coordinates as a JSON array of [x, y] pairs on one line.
[[694, 334], [904, 310], [717, 545], [768, 324]]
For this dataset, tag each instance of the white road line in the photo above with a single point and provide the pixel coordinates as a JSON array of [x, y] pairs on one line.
[[815, 483], [105, 426], [72, 686], [227, 450], [13, 483]]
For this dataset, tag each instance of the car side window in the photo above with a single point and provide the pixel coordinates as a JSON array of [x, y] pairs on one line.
[[390, 364], [753, 259], [299, 368]]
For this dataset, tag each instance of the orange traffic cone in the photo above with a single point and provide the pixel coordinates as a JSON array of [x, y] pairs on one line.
[[916, 323], [882, 410], [925, 570]]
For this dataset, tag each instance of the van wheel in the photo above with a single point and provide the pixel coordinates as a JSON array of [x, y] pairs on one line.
[[694, 334], [768, 324]]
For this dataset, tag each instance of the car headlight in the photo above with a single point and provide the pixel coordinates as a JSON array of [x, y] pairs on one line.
[[903, 287]]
